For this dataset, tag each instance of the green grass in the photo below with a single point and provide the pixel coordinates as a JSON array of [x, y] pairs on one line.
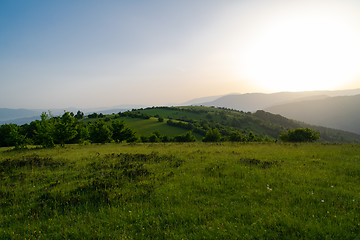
[[181, 191], [145, 127]]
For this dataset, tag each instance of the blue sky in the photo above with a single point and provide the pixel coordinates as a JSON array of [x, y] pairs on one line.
[[59, 54]]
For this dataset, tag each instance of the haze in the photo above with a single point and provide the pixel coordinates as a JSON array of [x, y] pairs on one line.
[[56, 54]]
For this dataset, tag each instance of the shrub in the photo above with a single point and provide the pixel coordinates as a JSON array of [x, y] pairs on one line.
[[300, 135]]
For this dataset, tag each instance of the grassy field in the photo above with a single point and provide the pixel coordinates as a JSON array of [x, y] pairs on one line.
[[181, 191], [145, 127]]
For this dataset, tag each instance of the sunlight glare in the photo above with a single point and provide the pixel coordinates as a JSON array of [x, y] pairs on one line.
[[299, 54]]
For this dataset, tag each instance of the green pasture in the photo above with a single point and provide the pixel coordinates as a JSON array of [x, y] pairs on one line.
[[181, 191], [145, 127]]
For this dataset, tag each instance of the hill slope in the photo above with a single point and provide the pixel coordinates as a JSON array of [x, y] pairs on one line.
[[260, 101], [335, 112], [199, 119], [10, 114]]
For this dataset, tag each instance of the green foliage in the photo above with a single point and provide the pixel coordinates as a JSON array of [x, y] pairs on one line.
[[10, 135], [212, 135], [44, 133], [300, 135], [79, 115], [237, 137], [155, 137], [65, 128], [99, 132], [121, 133], [188, 137]]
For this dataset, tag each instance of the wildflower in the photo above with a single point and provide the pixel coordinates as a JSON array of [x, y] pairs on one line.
[[322, 200]]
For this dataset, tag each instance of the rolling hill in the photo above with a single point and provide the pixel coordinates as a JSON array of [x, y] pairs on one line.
[[334, 112], [199, 119], [260, 101]]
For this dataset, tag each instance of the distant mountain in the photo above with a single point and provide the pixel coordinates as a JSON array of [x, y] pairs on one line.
[[21, 121], [335, 112], [23, 116], [10, 114], [251, 102], [201, 100]]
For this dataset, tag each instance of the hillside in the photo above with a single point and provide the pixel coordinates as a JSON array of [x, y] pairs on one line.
[[160, 124], [260, 101], [335, 112], [10, 114], [199, 119]]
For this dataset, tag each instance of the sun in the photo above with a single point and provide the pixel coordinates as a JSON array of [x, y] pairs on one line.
[[303, 52]]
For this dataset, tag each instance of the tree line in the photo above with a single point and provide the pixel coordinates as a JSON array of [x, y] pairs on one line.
[[65, 129], [68, 129]]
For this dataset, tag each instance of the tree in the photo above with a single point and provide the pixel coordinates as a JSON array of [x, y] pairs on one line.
[[99, 132], [121, 133], [82, 133], [129, 135], [237, 137], [155, 137], [65, 128], [188, 137], [300, 135], [251, 137], [212, 135], [10, 136], [79, 115], [16, 138], [45, 131]]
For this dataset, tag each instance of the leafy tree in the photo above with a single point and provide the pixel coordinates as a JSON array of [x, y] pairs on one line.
[[79, 115], [16, 138], [129, 135], [212, 135], [65, 128], [93, 115], [44, 133], [155, 137], [144, 139], [4, 135], [300, 135], [10, 136], [121, 133], [100, 132], [237, 137], [165, 139], [251, 137], [29, 130], [82, 133], [188, 137]]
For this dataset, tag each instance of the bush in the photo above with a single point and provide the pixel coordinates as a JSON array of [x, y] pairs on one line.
[[300, 135], [212, 135]]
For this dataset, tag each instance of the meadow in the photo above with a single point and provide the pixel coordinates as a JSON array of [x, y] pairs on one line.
[[181, 191]]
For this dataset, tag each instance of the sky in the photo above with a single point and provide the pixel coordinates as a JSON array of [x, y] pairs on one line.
[[83, 54]]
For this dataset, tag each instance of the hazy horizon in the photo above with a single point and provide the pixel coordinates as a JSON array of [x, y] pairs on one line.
[[89, 54]]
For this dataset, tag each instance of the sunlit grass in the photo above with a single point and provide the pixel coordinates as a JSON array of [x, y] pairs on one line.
[[174, 191]]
